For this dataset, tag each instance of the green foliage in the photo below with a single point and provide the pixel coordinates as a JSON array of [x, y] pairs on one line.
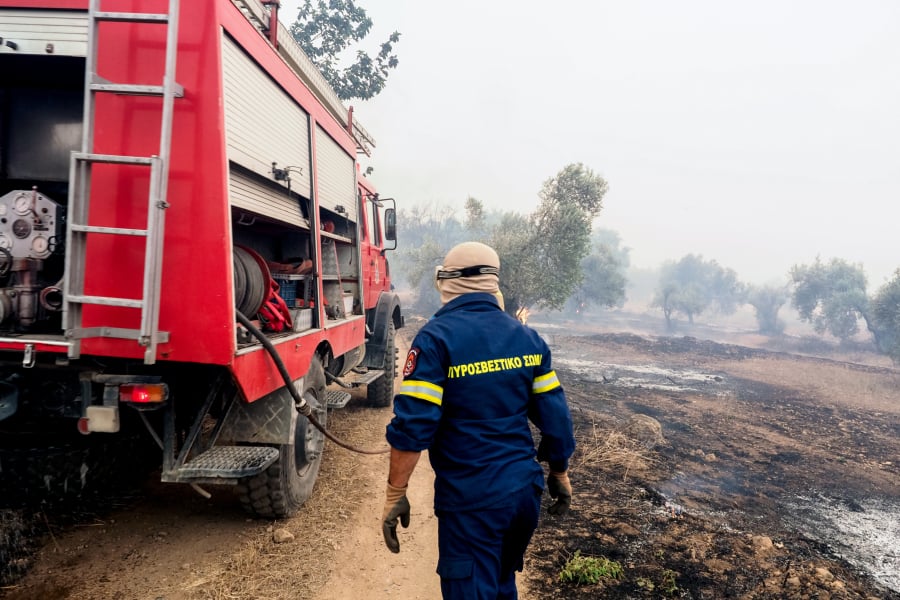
[[603, 282], [475, 217], [613, 241], [428, 232], [832, 297], [540, 254], [767, 300], [668, 585], [325, 31], [518, 265], [645, 583], [588, 570], [885, 314], [692, 285], [574, 185], [546, 249], [422, 260]]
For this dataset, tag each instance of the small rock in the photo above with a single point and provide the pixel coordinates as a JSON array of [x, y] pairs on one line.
[[762, 543], [837, 585], [645, 429], [625, 529], [823, 574], [793, 581], [280, 536]]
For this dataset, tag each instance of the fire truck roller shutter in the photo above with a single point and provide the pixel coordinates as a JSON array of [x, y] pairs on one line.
[[336, 177], [263, 124], [33, 31]]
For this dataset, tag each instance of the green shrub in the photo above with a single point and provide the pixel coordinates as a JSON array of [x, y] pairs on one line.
[[668, 585], [588, 570]]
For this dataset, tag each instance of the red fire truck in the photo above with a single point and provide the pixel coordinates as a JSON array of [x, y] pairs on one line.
[[188, 250]]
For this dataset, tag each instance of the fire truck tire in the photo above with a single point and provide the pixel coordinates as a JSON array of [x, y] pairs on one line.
[[380, 392], [281, 490]]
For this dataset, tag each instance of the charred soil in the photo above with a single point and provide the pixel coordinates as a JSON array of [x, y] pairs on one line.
[[739, 473]]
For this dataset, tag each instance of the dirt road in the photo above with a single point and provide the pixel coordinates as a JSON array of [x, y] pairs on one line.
[[365, 568]]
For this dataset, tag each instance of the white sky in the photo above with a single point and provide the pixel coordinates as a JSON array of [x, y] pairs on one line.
[[757, 134]]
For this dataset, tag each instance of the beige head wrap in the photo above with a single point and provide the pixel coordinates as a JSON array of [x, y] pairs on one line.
[[461, 256]]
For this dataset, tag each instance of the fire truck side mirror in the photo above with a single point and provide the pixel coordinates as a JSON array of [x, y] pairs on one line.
[[390, 225]]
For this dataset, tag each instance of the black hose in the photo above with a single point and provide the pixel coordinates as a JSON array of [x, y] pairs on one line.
[[332, 379], [302, 405]]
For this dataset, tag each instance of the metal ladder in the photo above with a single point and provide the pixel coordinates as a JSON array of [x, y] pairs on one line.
[[78, 228]]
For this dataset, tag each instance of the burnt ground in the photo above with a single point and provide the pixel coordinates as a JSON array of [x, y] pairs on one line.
[[762, 481], [706, 470]]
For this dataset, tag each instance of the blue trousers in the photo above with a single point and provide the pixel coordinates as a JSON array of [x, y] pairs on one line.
[[481, 550]]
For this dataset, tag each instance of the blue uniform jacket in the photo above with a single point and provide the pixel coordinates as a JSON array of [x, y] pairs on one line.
[[473, 379]]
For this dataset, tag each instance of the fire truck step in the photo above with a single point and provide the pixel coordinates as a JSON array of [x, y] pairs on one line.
[[354, 378], [337, 398], [228, 462]]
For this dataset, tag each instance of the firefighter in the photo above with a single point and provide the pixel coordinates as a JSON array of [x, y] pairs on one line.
[[473, 379]]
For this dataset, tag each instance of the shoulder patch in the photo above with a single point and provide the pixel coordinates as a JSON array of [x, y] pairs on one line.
[[410, 364]]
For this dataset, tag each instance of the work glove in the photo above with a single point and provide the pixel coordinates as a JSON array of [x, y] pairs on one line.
[[395, 506], [560, 490]]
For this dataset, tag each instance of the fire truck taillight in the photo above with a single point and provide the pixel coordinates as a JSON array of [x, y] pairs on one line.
[[143, 393]]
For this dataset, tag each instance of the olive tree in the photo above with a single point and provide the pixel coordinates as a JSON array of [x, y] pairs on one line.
[[541, 254], [603, 273], [831, 297], [693, 285], [766, 301], [885, 314], [326, 30]]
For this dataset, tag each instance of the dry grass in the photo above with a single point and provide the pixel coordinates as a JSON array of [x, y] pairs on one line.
[[612, 451], [261, 568], [835, 383]]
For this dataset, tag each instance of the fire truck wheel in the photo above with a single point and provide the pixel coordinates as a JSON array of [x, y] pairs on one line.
[[283, 488], [380, 392]]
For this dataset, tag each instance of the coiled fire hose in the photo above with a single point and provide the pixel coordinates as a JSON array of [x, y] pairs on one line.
[[300, 403]]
